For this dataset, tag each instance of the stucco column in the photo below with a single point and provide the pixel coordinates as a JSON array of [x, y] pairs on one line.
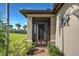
[[29, 28], [53, 28]]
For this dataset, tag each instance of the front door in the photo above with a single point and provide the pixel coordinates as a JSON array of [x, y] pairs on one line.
[[41, 34]]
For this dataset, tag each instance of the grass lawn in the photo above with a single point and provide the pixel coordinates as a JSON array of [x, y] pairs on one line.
[[16, 36]]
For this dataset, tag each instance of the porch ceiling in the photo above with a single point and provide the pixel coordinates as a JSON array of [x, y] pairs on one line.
[[57, 6]]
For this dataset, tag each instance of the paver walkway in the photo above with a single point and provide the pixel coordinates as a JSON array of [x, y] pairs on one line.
[[41, 51]]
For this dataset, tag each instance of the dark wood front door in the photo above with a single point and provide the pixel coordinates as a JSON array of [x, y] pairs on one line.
[[41, 34]]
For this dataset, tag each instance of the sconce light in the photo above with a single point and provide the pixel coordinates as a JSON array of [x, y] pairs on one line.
[[65, 20]]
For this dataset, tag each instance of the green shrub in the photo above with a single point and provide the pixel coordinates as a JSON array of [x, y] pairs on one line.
[[53, 50], [2, 39], [2, 43], [19, 48]]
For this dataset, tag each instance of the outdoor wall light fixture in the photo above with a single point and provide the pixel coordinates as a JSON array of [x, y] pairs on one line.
[[65, 20]]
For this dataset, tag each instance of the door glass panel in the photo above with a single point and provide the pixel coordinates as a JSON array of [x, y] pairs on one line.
[[41, 32], [34, 28]]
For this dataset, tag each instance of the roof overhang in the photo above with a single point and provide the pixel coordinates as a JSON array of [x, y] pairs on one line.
[[56, 8]]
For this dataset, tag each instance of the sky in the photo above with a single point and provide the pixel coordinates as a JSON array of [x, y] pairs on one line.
[[2, 11], [16, 16]]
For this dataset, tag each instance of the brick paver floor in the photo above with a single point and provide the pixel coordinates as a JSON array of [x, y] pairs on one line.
[[41, 51]]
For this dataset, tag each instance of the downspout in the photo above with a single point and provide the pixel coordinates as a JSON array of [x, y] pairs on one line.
[[63, 37]]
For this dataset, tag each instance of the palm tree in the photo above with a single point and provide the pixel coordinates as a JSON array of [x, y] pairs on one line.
[[24, 27], [7, 30], [1, 21], [18, 26], [0, 24], [11, 27]]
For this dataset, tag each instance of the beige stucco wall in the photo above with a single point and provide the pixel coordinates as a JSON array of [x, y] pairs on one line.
[[53, 24], [71, 32], [53, 28], [29, 28]]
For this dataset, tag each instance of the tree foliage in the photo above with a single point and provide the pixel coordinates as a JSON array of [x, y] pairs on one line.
[[24, 27], [2, 35], [18, 26], [11, 27]]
